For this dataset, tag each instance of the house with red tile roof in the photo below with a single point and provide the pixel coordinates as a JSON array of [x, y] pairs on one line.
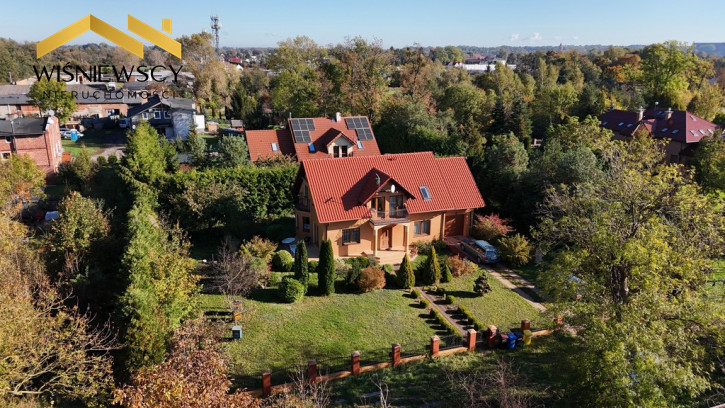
[[681, 129], [369, 204], [315, 138]]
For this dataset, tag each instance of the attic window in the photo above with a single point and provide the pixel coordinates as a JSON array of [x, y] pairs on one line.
[[311, 147], [359, 145], [604, 123], [620, 123], [674, 132], [703, 132], [664, 130], [693, 133], [425, 193], [275, 148]]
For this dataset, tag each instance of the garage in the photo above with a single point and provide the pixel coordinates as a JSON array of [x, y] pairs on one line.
[[454, 224]]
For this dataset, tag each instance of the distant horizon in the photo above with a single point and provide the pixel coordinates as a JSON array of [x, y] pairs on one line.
[[399, 23]]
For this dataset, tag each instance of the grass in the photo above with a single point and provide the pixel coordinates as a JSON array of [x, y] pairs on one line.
[[95, 141], [500, 307], [279, 335], [426, 383]]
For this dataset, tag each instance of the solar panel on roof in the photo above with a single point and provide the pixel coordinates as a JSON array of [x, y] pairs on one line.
[[301, 129], [361, 126]]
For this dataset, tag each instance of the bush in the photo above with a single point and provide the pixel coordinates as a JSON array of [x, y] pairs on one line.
[[471, 319], [371, 279], [353, 274], [260, 247], [491, 227], [460, 266], [515, 250], [450, 299], [481, 285], [363, 261], [415, 294], [390, 277], [425, 303], [424, 247], [446, 274], [432, 272], [406, 277], [313, 266], [291, 290], [282, 261], [443, 322]]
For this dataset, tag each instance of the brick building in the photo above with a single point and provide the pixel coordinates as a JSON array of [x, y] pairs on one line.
[[38, 138]]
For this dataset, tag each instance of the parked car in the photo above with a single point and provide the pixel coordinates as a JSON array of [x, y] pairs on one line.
[[65, 133], [480, 250]]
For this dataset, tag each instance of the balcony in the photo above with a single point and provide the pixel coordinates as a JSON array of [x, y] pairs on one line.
[[394, 216]]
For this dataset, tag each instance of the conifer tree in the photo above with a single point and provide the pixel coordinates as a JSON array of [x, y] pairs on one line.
[[432, 272], [326, 269], [301, 267], [406, 277]]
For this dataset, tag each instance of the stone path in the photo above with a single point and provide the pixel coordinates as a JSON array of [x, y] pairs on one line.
[[516, 288], [445, 310]]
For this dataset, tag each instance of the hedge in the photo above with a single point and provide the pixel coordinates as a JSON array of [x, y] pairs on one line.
[[450, 299], [442, 320], [282, 261], [425, 303], [471, 318], [291, 290], [415, 294]]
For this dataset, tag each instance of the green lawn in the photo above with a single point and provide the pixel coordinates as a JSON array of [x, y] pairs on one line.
[[278, 335], [501, 307], [95, 141], [538, 370]]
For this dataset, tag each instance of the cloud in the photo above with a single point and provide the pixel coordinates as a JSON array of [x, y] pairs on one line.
[[514, 37], [576, 37], [535, 37]]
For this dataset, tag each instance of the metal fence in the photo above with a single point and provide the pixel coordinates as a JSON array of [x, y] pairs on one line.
[[372, 357], [414, 348], [333, 365], [450, 341]]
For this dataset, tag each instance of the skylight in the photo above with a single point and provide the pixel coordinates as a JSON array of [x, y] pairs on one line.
[[311, 147], [710, 130], [425, 193], [275, 147], [703, 132], [693, 118], [629, 125], [663, 130], [359, 145], [674, 132], [620, 123], [693, 133], [604, 123]]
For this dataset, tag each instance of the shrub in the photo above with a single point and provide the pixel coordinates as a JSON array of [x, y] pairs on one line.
[[260, 247], [326, 269], [313, 266], [371, 279], [415, 294], [460, 266], [441, 292], [291, 290], [424, 247], [425, 303], [282, 261], [363, 261], [406, 277], [432, 272], [353, 274], [446, 275], [450, 299], [443, 322], [490, 227], [481, 285], [301, 265], [391, 278], [515, 250], [471, 319]]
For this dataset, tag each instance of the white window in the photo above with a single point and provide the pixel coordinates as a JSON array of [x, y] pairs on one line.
[[145, 115], [8, 139], [5, 156], [157, 114], [311, 147], [275, 148]]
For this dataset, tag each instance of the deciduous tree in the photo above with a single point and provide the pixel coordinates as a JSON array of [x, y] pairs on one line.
[[52, 95]]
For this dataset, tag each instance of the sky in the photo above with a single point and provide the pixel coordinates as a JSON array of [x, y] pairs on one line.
[[396, 23]]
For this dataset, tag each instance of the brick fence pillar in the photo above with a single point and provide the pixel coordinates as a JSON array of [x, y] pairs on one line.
[[266, 382], [434, 346], [491, 340], [396, 354], [312, 371], [525, 325], [471, 339], [355, 362]]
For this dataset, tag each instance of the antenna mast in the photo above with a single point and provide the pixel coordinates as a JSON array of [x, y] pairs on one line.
[[215, 27]]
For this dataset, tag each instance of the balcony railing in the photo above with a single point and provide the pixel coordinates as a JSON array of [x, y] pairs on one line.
[[389, 217]]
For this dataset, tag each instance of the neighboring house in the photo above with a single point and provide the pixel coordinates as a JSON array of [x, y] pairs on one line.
[[368, 204], [315, 138], [172, 117], [682, 130], [38, 138], [91, 102]]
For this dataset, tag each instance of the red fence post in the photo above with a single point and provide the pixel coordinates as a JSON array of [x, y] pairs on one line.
[[266, 382], [355, 362], [471, 339], [492, 331], [434, 346], [312, 371], [396, 354], [525, 325]]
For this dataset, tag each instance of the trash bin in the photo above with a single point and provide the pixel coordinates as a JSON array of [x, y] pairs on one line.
[[511, 343], [527, 337], [236, 332]]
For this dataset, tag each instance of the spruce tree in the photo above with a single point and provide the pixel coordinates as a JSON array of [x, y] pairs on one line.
[[326, 269], [447, 276], [406, 277], [301, 267], [432, 268]]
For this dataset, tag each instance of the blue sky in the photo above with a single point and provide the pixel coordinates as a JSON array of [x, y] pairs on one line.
[[396, 22]]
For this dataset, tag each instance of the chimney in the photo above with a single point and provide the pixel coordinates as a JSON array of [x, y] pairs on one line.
[[668, 114], [640, 114], [338, 117]]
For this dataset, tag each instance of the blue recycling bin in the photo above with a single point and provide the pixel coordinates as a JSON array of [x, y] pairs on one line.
[[511, 343]]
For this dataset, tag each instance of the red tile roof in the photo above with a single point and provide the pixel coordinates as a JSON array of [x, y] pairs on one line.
[[326, 131], [682, 126], [336, 185], [260, 143]]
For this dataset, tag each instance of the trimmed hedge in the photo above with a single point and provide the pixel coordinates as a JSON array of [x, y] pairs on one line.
[[282, 261], [450, 299], [425, 303], [471, 318], [291, 290], [415, 294], [443, 322]]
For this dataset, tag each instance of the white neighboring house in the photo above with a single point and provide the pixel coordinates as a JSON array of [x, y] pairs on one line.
[[171, 117]]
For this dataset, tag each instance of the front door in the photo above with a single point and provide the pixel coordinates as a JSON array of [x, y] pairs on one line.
[[385, 238]]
